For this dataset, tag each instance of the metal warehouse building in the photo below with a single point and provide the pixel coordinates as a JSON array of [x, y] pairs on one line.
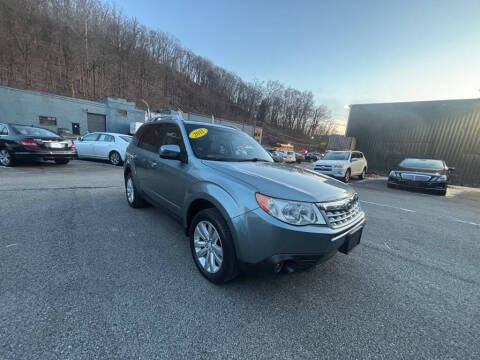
[[447, 129], [76, 115]]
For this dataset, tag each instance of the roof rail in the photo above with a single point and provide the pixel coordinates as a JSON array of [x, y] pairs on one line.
[[166, 117]]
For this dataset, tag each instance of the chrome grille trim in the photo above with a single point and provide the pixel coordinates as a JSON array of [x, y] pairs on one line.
[[415, 177], [341, 213], [323, 167]]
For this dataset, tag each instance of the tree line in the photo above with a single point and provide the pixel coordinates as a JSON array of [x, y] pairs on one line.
[[89, 49]]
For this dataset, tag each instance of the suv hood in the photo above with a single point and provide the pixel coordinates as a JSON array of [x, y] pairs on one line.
[[284, 181], [330, 162]]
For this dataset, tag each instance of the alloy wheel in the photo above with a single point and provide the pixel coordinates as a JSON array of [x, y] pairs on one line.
[[115, 158], [208, 247], [5, 157], [130, 190]]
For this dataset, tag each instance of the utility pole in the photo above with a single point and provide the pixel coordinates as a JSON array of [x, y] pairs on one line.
[[148, 108]]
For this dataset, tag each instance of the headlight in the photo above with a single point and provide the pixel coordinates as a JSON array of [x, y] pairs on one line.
[[394, 174], [439, 178], [338, 166], [291, 212]]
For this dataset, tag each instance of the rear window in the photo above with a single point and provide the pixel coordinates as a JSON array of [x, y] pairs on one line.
[[32, 131], [126, 138]]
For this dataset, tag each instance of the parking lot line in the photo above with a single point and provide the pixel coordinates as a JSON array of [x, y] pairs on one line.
[[385, 205], [466, 222]]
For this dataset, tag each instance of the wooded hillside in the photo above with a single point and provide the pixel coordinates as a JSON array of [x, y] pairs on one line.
[[87, 49]]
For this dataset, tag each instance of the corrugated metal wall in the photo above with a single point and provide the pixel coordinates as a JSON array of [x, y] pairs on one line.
[[448, 130], [340, 142]]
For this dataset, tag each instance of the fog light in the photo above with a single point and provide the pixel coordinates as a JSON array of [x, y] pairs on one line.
[[278, 267]]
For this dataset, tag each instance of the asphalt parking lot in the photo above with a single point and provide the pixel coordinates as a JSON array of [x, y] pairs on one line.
[[85, 276]]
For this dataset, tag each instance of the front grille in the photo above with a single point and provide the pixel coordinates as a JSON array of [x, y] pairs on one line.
[[323, 167], [341, 213], [415, 177]]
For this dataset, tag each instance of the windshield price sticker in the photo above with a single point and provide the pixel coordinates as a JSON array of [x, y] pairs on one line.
[[198, 133]]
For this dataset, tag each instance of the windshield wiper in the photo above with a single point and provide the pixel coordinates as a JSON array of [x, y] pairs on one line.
[[253, 160]]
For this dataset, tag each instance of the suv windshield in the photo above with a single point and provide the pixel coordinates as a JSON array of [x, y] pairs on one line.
[[223, 144], [337, 155], [422, 164], [33, 131]]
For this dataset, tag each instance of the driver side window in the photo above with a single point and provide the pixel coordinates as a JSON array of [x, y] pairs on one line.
[[172, 136]]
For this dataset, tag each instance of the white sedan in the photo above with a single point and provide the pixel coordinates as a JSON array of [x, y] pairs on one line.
[[100, 145]]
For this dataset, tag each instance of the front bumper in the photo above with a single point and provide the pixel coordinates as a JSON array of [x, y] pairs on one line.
[[336, 173], [263, 242], [46, 155], [418, 185]]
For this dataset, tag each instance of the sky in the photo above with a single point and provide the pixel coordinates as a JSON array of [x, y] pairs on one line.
[[345, 52]]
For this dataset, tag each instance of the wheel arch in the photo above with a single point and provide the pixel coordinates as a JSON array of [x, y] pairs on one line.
[[209, 195]]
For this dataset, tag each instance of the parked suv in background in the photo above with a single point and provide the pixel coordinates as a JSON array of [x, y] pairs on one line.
[[241, 210], [289, 157], [342, 164], [21, 142]]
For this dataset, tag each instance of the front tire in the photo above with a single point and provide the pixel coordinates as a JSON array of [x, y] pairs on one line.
[[362, 175], [115, 158], [5, 158], [212, 246], [135, 200], [442, 192], [346, 177]]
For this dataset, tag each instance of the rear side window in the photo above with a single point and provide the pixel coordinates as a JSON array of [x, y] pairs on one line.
[[106, 138], [150, 137], [90, 137], [138, 135]]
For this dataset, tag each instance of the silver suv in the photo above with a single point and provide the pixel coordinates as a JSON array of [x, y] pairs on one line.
[[242, 211]]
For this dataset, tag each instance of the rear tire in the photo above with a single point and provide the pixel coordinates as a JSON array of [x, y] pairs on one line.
[[134, 199], [228, 268], [5, 158], [62, 162], [115, 158]]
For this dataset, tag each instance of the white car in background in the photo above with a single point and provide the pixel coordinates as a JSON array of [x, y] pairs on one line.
[[289, 157], [342, 164], [103, 145]]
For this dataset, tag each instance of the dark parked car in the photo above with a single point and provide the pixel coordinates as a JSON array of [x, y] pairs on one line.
[[299, 157], [424, 174], [313, 156], [20, 142], [277, 156], [241, 210]]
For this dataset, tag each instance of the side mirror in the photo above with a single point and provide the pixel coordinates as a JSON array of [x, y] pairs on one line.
[[451, 169], [80, 138], [170, 152]]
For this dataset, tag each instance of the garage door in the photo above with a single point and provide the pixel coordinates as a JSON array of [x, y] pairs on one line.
[[96, 122]]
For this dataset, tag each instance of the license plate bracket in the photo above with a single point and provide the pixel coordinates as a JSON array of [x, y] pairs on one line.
[[351, 240]]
